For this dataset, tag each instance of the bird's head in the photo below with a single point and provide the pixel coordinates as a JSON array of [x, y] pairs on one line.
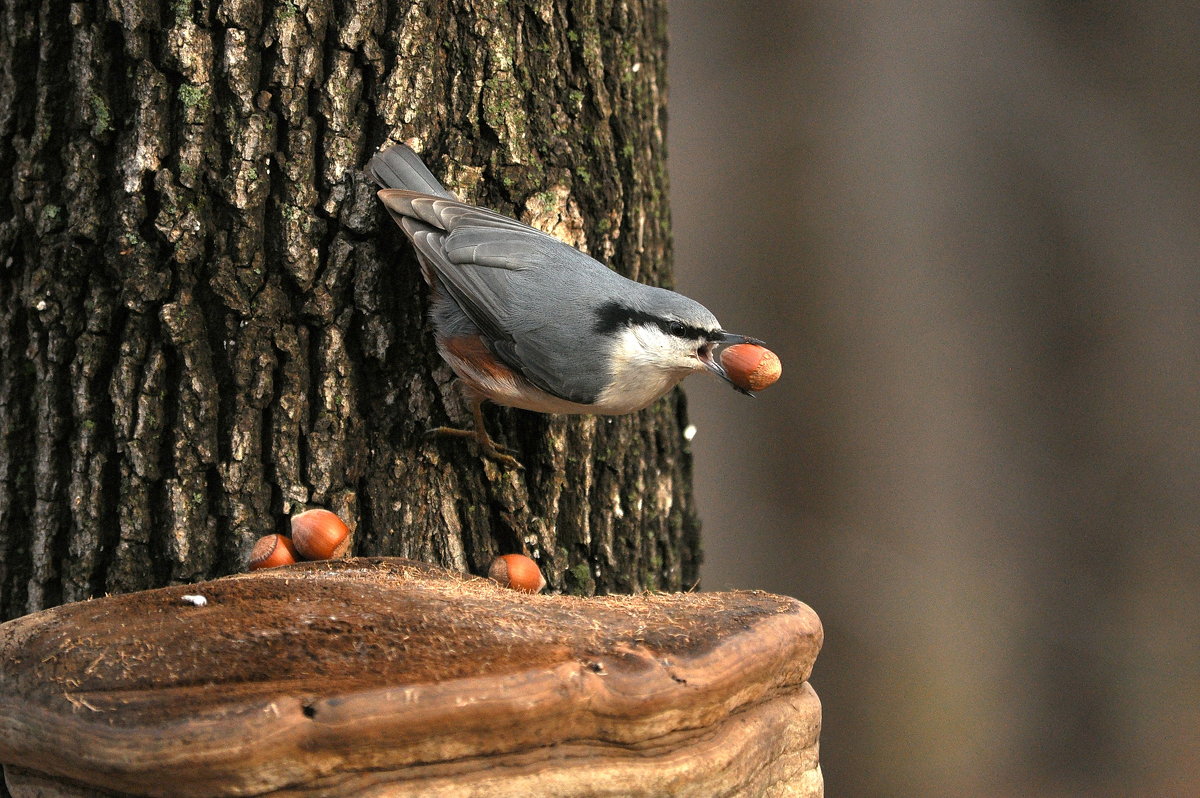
[[666, 334]]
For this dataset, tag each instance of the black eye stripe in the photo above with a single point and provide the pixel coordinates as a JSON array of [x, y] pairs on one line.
[[680, 330], [612, 316]]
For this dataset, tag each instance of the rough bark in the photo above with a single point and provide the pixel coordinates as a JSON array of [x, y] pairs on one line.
[[206, 322]]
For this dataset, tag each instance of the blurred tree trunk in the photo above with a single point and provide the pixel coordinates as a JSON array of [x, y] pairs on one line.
[[207, 324]]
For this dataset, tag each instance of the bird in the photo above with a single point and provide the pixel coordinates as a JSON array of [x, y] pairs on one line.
[[527, 321]]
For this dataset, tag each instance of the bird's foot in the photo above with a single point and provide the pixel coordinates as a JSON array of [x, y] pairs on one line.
[[487, 447]]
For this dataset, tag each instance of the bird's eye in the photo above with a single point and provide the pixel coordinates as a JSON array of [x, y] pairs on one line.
[[677, 329]]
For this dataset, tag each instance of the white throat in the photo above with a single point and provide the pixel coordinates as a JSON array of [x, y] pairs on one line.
[[646, 364]]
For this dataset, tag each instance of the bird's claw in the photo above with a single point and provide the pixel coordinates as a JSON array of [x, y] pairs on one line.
[[487, 447], [494, 454]]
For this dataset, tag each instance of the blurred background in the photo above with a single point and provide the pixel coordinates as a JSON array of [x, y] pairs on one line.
[[972, 233]]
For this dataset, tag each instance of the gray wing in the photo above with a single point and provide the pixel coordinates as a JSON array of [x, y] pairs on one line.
[[519, 286]]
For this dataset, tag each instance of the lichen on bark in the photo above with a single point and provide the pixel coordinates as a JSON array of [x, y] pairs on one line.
[[206, 323]]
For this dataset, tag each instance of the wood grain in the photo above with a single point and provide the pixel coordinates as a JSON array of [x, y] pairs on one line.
[[379, 676]]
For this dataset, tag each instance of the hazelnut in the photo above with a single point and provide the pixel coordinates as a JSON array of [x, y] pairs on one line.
[[320, 535], [751, 366], [272, 550], [518, 572]]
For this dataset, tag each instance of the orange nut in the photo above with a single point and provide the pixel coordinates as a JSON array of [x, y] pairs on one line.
[[320, 535], [518, 572], [751, 366], [271, 551]]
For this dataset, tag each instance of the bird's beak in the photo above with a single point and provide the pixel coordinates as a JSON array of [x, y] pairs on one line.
[[713, 363], [734, 338]]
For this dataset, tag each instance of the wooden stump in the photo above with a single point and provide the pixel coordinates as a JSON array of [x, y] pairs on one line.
[[382, 676]]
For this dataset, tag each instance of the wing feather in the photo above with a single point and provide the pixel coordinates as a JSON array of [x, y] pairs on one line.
[[491, 266]]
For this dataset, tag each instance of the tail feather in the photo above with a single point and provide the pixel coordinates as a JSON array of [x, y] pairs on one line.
[[400, 167]]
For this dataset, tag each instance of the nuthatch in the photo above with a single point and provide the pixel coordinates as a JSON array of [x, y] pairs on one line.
[[527, 321]]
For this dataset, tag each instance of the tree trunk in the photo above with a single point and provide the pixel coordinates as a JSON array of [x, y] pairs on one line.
[[207, 323]]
